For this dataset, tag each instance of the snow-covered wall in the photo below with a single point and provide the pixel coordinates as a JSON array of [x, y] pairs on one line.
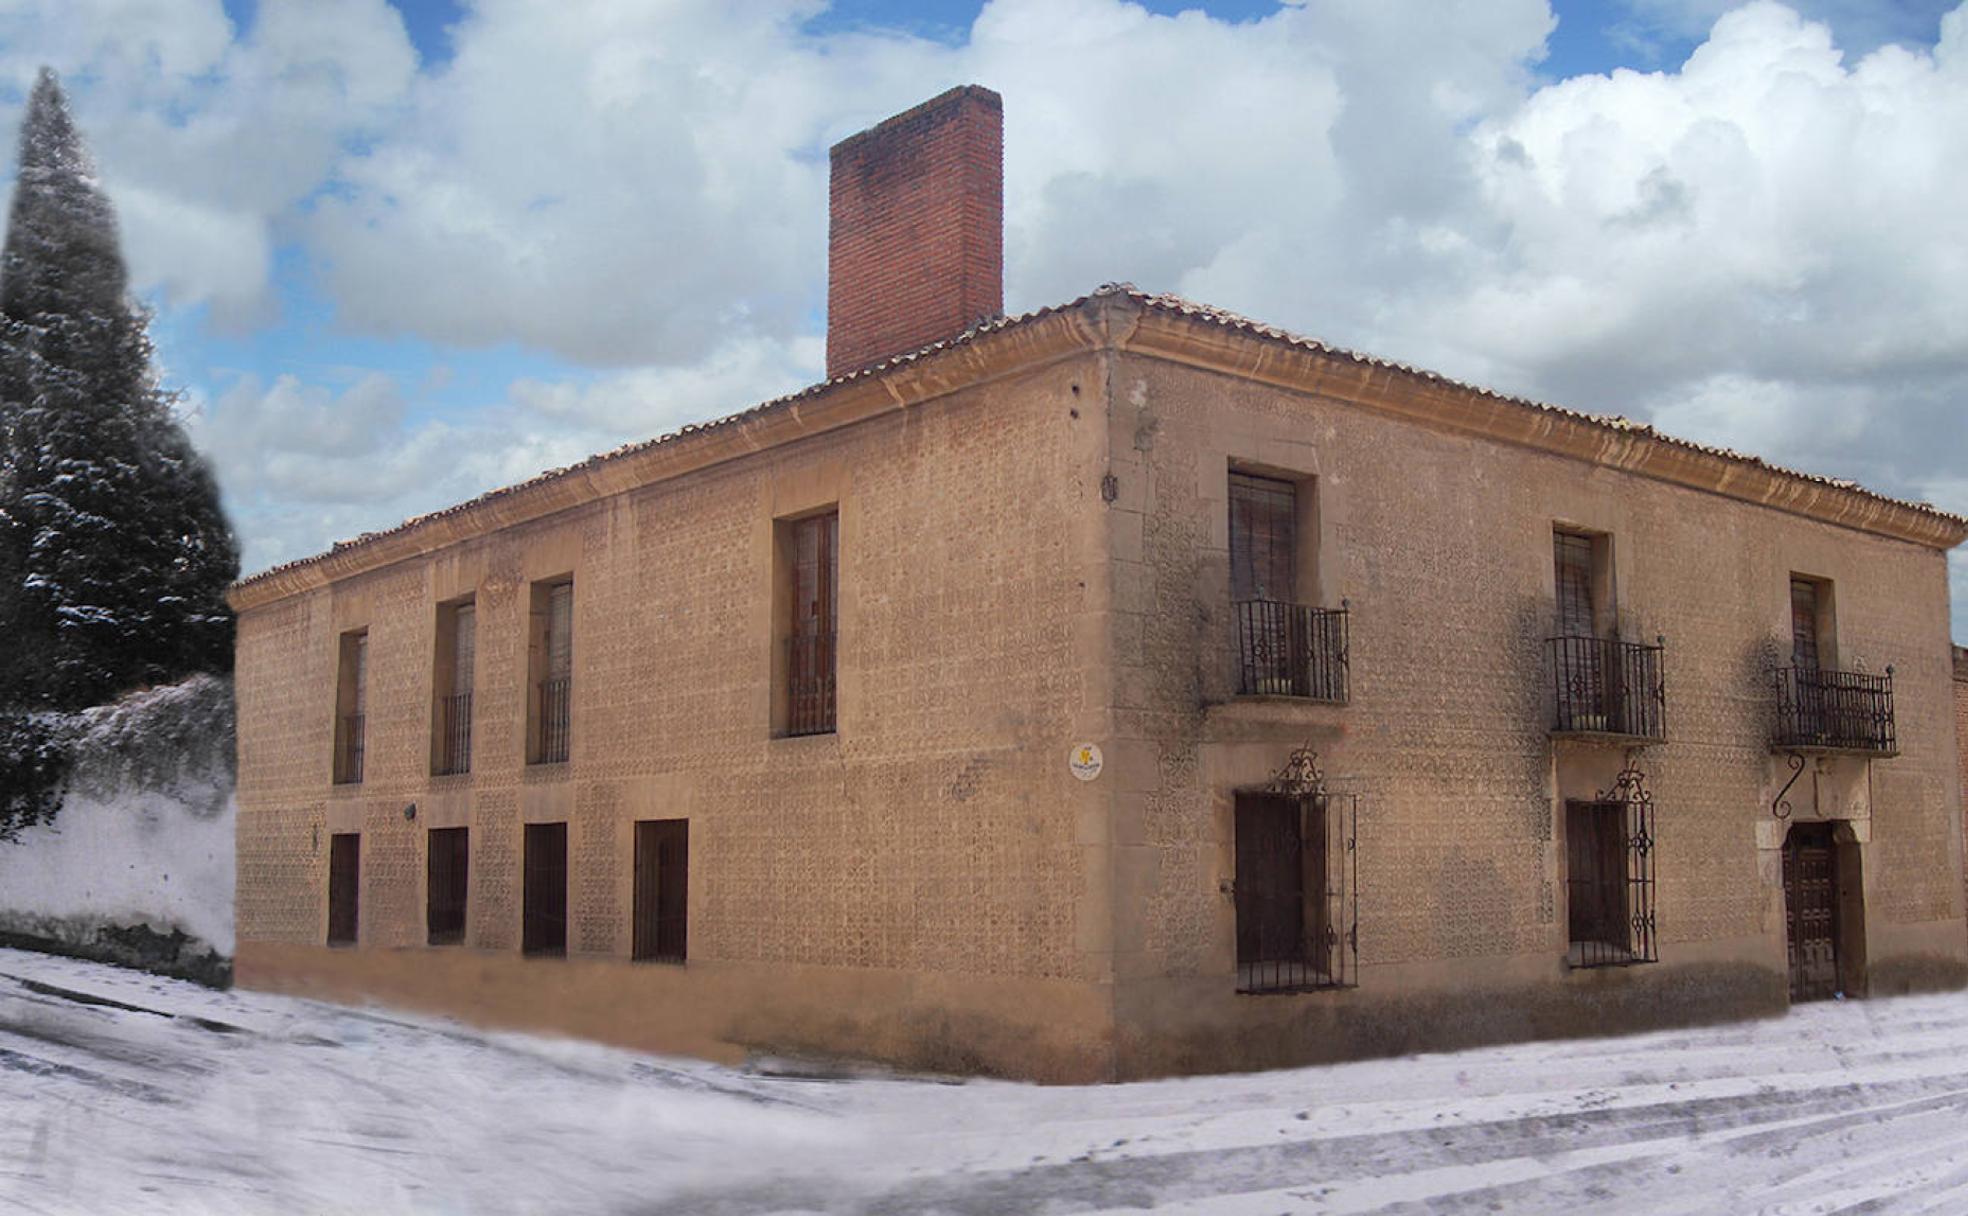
[[137, 867]]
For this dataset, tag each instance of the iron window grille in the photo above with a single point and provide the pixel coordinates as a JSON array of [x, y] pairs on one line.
[[1843, 710], [1291, 650], [810, 666], [1603, 686], [1609, 879], [1297, 884], [349, 749], [455, 720], [556, 699]]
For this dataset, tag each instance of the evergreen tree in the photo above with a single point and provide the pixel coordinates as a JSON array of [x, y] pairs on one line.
[[114, 553]]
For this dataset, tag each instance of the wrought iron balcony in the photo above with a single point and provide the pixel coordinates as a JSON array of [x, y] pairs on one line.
[[556, 718], [1291, 650], [810, 660], [1847, 711], [1606, 687], [454, 723], [349, 749]]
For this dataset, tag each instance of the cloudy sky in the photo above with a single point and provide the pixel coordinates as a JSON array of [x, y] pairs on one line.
[[403, 252]]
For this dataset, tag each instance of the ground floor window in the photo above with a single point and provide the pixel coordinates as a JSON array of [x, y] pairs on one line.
[[544, 890], [344, 887], [444, 886], [1295, 926], [1609, 882], [662, 886]]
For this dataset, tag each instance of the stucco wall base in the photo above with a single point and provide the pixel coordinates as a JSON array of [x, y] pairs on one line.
[[1908, 973], [1193, 1026], [1042, 1030]]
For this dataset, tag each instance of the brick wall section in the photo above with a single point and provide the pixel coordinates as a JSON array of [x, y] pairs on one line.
[[1961, 728], [915, 244]]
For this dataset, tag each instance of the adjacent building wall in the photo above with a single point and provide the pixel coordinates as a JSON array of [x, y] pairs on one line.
[[1961, 722], [1441, 544], [927, 885]]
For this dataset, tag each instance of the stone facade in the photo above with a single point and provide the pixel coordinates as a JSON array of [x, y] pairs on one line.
[[1033, 541], [1032, 523], [1961, 720]]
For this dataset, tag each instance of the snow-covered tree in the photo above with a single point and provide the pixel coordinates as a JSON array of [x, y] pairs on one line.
[[114, 552]]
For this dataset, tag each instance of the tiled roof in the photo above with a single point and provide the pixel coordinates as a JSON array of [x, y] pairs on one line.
[[1165, 303]]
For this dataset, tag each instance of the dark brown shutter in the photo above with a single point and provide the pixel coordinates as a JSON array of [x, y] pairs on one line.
[[811, 657], [344, 887], [464, 649], [544, 917], [662, 889], [1596, 848], [1576, 618], [1263, 538], [1804, 624], [446, 881]]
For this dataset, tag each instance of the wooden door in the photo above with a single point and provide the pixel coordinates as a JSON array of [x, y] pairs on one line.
[[662, 888], [447, 878], [344, 887], [544, 918], [1810, 878]]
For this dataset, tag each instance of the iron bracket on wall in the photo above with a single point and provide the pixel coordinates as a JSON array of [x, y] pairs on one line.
[[1780, 805]]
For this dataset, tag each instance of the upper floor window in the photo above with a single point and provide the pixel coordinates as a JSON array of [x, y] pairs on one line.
[[1810, 614], [550, 658], [451, 723], [351, 706], [1285, 647], [813, 578], [1601, 685], [1263, 538], [1818, 704], [1578, 559]]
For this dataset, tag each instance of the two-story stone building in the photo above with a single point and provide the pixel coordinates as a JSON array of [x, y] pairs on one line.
[[1120, 688]]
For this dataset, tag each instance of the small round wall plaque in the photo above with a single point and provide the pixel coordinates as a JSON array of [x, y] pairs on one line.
[[1084, 760]]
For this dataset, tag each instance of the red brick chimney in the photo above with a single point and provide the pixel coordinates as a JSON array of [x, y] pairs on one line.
[[915, 240]]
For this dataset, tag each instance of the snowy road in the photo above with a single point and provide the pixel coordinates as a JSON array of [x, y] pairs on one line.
[[121, 1092]]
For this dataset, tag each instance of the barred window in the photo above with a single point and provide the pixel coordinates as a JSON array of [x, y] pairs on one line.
[[1609, 882]]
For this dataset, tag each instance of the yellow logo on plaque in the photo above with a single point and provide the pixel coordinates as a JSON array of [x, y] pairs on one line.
[[1084, 760]]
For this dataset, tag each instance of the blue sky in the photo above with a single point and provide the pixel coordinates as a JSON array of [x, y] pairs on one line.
[[401, 251]]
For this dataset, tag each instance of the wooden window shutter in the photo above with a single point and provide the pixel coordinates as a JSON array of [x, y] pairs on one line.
[[1576, 616], [1263, 538], [1804, 624]]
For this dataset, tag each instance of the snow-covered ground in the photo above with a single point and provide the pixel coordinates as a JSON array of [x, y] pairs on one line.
[[123, 1092], [145, 834]]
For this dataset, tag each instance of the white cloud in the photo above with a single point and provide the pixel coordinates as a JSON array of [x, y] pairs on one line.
[[1759, 246], [209, 142]]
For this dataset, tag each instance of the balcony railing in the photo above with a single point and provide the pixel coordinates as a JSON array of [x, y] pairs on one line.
[[810, 658], [1291, 650], [1837, 710], [556, 698], [1603, 686], [349, 749], [454, 724]]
